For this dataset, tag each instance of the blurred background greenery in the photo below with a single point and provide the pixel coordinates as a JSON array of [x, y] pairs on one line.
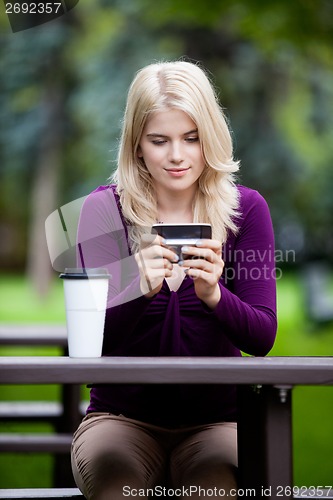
[[62, 94]]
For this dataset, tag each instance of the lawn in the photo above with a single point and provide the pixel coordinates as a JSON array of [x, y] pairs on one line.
[[312, 406]]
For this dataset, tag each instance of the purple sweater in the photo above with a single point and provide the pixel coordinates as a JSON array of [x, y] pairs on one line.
[[178, 323]]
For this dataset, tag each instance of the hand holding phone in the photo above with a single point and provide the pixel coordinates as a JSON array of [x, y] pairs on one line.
[[203, 262], [178, 235]]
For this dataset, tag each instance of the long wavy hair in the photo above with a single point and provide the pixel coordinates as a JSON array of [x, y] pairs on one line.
[[184, 86]]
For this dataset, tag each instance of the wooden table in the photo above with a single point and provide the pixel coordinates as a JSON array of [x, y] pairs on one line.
[[275, 371], [265, 428]]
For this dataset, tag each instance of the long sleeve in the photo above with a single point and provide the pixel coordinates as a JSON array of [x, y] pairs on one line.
[[247, 308], [102, 236], [177, 323]]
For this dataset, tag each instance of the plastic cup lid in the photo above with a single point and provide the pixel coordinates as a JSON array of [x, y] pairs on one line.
[[77, 273]]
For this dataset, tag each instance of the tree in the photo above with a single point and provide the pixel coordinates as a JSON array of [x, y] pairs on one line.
[[63, 88], [34, 81]]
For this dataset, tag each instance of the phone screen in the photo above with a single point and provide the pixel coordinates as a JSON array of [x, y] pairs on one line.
[[181, 232], [178, 235]]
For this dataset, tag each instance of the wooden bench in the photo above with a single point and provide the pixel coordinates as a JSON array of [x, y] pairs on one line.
[[37, 334], [34, 494], [36, 411], [15, 442], [57, 443], [64, 416]]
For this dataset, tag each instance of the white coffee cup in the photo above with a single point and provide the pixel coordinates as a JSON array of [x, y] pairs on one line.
[[86, 292]]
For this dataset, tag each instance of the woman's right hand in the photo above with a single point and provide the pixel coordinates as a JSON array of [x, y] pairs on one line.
[[155, 262]]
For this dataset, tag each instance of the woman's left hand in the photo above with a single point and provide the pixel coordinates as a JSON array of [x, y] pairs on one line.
[[203, 263]]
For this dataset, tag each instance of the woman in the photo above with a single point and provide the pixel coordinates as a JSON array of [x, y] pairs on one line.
[[175, 165]]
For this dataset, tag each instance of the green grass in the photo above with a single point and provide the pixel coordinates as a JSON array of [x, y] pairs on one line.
[[297, 336], [312, 406], [21, 304], [26, 470]]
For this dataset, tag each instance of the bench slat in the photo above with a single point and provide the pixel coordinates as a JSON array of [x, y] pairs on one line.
[[24, 442], [34, 410], [33, 335], [18, 410], [34, 493]]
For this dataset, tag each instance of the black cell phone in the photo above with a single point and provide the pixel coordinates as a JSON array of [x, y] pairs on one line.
[[178, 235]]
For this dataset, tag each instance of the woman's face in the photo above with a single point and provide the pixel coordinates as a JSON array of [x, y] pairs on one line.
[[170, 148]]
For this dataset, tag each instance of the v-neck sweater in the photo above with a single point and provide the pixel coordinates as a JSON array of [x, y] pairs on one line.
[[178, 323]]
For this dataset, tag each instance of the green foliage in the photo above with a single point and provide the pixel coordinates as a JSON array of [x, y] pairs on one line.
[[271, 63]]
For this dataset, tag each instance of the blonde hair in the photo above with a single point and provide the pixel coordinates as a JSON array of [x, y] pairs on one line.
[[184, 86]]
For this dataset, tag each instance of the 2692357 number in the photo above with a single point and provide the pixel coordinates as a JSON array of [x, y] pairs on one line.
[[304, 491], [33, 8]]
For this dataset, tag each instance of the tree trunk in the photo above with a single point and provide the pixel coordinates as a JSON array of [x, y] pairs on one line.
[[45, 188]]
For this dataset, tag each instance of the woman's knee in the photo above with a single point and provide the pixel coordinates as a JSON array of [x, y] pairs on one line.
[[208, 458], [109, 454]]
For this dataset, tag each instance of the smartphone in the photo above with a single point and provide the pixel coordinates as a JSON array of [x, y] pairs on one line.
[[178, 235]]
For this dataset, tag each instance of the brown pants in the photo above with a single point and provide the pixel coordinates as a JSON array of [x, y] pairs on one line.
[[114, 457]]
